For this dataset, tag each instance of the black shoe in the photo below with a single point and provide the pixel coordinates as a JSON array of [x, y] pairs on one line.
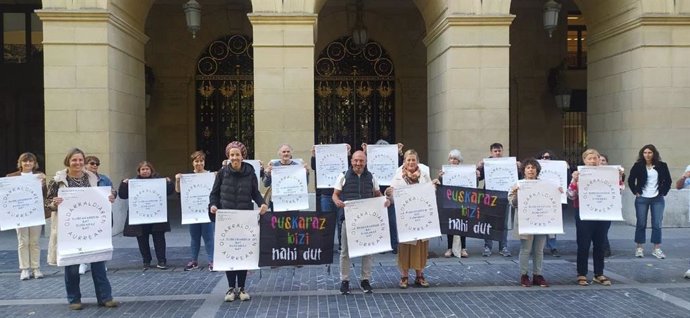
[[554, 253], [366, 287], [161, 265], [345, 287], [147, 266], [607, 252], [395, 251]]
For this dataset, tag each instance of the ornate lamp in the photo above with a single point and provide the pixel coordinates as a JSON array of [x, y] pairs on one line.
[[359, 33], [551, 9], [192, 12]]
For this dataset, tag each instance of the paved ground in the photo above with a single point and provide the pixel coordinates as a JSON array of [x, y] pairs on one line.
[[472, 287]]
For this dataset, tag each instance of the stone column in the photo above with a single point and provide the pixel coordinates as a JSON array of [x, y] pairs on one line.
[[468, 85], [94, 87], [283, 83], [638, 92]]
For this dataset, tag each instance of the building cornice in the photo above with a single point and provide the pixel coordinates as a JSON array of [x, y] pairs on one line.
[[282, 19], [466, 20], [92, 15], [645, 20]]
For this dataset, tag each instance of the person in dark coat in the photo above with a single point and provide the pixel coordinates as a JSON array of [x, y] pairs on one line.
[[145, 170], [235, 187]]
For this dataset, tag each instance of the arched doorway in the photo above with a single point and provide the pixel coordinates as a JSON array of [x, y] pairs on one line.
[[225, 97], [354, 97]]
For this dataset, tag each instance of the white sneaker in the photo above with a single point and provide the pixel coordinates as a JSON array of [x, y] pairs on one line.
[[244, 296], [639, 252], [659, 253], [687, 274], [83, 268], [37, 273], [25, 275], [230, 295]]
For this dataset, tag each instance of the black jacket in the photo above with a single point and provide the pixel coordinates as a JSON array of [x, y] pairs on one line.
[[138, 229], [235, 190], [638, 178]]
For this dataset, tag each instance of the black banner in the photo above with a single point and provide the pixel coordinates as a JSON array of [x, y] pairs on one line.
[[472, 212], [296, 238]]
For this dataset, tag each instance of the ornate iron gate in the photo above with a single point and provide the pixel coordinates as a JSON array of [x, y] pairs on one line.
[[225, 97], [354, 97]]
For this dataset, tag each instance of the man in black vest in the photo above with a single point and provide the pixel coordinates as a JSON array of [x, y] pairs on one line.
[[354, 184]]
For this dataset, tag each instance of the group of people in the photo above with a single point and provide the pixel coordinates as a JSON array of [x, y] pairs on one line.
[[236, 187]]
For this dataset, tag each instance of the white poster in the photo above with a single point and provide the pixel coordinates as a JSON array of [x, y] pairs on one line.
[[555, 171], [194, 196], [289, 188], [257, 170], [368, 231], [148, 201], [84, 226], [599, 193], [382, 162], [416, 212], [500, 173], [331, 160], [21, 202], [460, 175], [236, 240], [539, 208]]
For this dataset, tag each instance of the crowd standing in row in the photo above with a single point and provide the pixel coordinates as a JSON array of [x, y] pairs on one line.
[[236, 187]]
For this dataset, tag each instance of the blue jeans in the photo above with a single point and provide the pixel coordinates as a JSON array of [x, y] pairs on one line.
[[642, 205], [551, 243], [196, 232], [327, 205], [100, 282]]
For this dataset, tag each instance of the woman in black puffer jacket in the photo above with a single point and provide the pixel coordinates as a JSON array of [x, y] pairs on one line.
[[235, 188]]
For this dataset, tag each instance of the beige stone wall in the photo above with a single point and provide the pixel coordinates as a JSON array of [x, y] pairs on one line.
[[468, 72], [93, 68]]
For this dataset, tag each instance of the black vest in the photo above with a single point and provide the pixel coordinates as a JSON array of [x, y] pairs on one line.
[[358, 187]]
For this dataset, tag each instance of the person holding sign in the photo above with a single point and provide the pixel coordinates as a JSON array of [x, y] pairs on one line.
[[28, 250], [77, 176], [589, 232], [684, 180], [552, 240], [496, 150], [454, 159], [356, 183], [234, 188], [285, 154], [92, 164], [198, 230], [325, 195], [650, 182], [145, 170], [411, 254], [529, 243]]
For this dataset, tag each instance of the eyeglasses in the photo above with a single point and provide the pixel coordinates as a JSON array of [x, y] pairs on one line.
[[94, 163]]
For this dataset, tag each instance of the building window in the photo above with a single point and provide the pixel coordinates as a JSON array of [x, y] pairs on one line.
[[577, 42], [21, 35]]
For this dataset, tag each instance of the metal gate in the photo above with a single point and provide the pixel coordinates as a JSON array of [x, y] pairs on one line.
[[354, 97], [225, 97]]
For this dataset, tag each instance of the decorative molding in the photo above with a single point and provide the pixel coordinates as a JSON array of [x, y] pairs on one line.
[[282, 19], [466, 20], [645, 20], [92, 15]]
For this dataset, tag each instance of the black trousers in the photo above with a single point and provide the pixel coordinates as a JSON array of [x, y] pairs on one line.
[[463, 241], [239, 276], [158, 244], [591, 233]]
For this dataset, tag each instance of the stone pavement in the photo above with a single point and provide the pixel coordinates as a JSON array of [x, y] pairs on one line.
[[472, 287]]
